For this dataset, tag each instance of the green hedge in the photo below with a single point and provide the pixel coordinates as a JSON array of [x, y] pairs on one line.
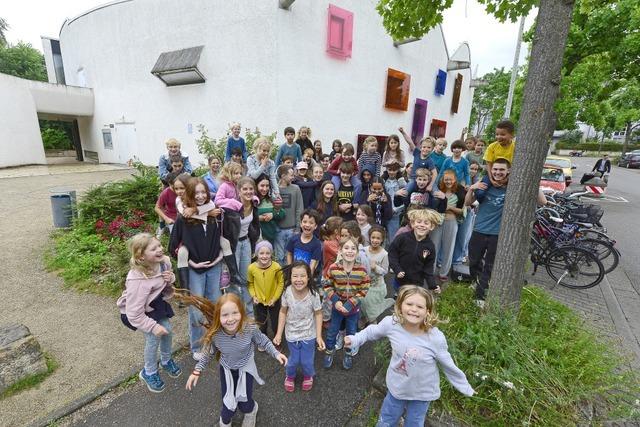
[[593, 146]]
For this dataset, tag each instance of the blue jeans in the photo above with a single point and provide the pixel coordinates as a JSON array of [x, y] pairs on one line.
[[151, 344], [461, 249], [205, 285], [351, 326], [243, 259], [282, 238], [393, 408], [392, 227], [301, 353]]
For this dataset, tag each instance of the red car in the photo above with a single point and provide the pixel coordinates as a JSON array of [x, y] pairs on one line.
[[552, 179]]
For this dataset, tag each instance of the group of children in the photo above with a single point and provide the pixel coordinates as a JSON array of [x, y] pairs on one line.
[[323, 235]]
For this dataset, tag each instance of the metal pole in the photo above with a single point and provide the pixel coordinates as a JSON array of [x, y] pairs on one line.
[[514, 71]]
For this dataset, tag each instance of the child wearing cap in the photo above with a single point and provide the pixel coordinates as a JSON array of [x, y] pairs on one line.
[[307, 185], [266, 283]]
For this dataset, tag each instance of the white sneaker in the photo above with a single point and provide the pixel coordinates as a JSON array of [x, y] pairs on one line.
[[354, 351], [250, 418], [480, 303], [339, 341], [198, 355]]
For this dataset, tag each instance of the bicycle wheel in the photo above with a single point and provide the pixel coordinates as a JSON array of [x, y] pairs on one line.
[[574, 267], [606, 253]]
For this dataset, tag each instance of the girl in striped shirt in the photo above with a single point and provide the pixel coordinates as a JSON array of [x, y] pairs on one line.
[[347, 286], [231, 336]]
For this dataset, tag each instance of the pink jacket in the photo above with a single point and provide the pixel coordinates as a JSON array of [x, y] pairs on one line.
[[139, 292], [227, 197]]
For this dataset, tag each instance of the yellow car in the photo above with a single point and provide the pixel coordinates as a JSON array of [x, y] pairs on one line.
[[564, 163]]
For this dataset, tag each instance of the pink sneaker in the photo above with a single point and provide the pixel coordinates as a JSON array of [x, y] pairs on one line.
[[307, 383], [289, 384]]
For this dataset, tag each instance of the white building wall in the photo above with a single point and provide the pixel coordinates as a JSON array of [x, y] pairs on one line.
[[264, 66]]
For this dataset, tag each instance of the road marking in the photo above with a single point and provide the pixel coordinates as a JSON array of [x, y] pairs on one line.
[[607, 198]]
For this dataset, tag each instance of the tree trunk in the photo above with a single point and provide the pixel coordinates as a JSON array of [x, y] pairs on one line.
[[537, 121], [627, 137]]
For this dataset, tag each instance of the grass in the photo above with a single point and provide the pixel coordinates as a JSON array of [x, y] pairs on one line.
[[31, 380], [533, 369]]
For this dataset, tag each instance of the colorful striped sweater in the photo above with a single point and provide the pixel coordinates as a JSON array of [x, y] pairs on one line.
[[348, 287]]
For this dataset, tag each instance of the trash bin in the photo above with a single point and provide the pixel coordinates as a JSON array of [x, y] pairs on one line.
[[63, 207]]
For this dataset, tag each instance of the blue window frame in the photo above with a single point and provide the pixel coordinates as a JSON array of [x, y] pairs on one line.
[[441, 82]]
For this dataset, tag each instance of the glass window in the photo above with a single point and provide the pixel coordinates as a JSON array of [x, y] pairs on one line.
[[398, 83]]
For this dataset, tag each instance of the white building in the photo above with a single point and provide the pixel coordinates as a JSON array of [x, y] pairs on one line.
[[330, 66]]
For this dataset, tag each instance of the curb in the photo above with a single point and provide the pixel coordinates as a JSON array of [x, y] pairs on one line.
[[93, 395], [619, 319]]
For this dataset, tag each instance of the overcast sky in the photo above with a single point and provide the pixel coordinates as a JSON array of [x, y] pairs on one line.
[[492, 43]]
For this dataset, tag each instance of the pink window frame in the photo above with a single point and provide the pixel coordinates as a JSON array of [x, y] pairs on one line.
[[339, 32]]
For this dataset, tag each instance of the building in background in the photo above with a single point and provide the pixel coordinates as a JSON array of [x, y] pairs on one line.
[[156, 69]]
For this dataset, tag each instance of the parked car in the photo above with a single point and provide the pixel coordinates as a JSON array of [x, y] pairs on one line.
[[564, 163], [552, 179], [629, 160]]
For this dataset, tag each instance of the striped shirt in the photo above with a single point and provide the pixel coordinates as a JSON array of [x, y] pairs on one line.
[[348, 287], [374, 161], [236, 350]]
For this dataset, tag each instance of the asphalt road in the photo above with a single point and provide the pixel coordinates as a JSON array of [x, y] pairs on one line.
[[622, 206]]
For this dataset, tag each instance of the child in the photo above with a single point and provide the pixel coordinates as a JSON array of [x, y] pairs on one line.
[[477, 153], [235, 141], [393, 153], [269, 210], [325, 161], [307, 185], [336, 149], [292, 206], [437, 155], [327, 203], [417, 348], [370, 156], [421, 158], [164, 164], [236, 157], [461, 248], [412, 255], [475, 171], [143, 306], [376, 301], [408, 170], [227, 195], [301, 319], [319, 175], [347, 156], [503, 146], [177, 164], [317, 148], [305, 246], [231, 335], [201, 237], [288, 160], [303, 140], [393, 182], [420, 194], [347, 285], [444, 236], [379, 202], [265, 282], [211, 177], [289, 148], [260, 163], [458, 164], [330, 236], [469, 144], [307, 157], [366, 176], [348, 192], [166, 203], [364, 218]]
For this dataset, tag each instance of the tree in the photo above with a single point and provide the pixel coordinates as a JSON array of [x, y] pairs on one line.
[[4, 26], [404, 18], [22, 60], [626, 109], [489, 100]]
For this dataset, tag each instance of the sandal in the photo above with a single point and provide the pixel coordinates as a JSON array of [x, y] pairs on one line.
[[289, 384], [307, 383]]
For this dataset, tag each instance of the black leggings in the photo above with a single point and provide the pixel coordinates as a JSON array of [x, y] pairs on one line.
[[482, 253], [245, 407]]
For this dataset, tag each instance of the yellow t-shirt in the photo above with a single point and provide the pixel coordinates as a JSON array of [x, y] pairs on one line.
[[265, 284], [495, 150]]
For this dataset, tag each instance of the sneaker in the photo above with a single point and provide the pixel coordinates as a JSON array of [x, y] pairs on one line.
[[222, 423], [289, 384], [354, 351], [172, 369], [307, 383], [198, 355], [249, 419], [340, 340], [328, 359], [153, 381], [480, 303], [347, 361]]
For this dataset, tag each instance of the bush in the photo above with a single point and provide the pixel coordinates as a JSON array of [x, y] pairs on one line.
[[572, 138], [208, 146], [595, 146], [531, 370], [55, 139]]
